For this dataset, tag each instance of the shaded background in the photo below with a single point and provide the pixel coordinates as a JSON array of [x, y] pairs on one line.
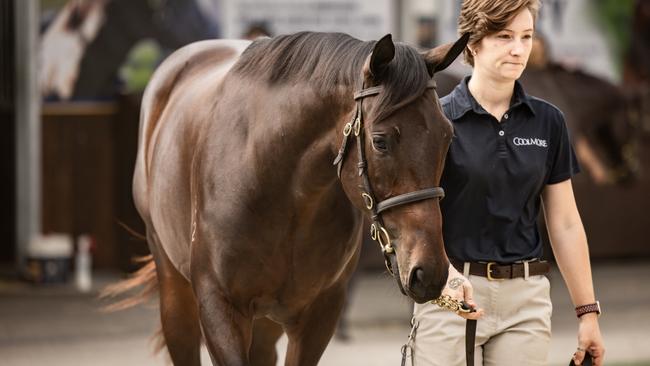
[[97, 55]]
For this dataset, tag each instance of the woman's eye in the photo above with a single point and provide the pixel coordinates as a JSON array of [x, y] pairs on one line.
[[379, 143]]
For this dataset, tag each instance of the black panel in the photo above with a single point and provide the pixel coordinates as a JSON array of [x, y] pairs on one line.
[[7, 134]]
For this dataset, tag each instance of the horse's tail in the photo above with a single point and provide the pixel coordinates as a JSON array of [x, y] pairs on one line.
[[137, 289]]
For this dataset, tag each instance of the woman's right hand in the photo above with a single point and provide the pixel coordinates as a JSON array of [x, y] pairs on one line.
[[458, 287]]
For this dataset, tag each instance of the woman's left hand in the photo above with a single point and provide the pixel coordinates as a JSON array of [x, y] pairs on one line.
[[589, 340], [460, 289]]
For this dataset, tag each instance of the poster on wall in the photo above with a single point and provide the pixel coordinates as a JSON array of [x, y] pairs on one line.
[[363, 19]]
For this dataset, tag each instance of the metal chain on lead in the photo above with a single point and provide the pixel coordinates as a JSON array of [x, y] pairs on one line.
[[407, 348], [449, 303]]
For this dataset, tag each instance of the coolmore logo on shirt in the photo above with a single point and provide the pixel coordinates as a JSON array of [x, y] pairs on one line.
[[522, 141]]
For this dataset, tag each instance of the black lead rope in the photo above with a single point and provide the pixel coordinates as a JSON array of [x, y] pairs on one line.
[[470, 339]]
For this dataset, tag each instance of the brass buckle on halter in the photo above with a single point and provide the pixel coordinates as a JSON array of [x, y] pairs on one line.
[[368, 200], [488, 272], [357, 126], [347, 129], [385, 245]]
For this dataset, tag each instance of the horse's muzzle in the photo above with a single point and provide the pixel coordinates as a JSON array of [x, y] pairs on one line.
[[425, 284]]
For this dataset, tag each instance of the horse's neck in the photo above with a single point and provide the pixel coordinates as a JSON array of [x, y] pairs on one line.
[[316, 130]]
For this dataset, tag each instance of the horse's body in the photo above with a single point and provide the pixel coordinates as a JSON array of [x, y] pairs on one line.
[[598, 113], [636, 66], [251, 231]]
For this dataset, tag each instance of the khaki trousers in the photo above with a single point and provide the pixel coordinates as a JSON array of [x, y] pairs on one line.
[[515, 329]]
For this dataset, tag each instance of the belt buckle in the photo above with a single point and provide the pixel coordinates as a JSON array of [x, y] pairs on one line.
[[489, 272]]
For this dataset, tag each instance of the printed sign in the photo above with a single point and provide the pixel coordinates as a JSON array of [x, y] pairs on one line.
[[364, 19]]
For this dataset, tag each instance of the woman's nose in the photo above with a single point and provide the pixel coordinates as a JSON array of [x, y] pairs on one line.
[[518, 48]]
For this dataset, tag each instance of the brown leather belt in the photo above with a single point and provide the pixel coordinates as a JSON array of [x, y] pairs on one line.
[[495, 271]]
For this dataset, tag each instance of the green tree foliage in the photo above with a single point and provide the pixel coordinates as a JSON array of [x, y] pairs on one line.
[[616, 18], [139, 66]]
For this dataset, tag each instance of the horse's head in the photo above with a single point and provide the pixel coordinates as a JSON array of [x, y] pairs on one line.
[[400, 137]]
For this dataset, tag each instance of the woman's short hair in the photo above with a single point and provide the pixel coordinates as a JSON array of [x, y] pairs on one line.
[[484, 17]]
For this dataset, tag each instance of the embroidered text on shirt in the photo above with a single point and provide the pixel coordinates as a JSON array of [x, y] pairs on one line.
[[521, 141]]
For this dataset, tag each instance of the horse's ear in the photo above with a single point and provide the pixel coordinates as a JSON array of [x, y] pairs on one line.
[[437, 59], [381, 56]]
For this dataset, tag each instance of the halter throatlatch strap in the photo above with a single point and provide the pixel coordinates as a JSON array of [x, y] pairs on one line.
[[377, 230]]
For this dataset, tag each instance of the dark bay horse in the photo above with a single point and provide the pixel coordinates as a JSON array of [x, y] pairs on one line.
[[636, 66], [251, 231]]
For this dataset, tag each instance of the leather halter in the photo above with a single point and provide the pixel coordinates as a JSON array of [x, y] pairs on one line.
[[377, 230]]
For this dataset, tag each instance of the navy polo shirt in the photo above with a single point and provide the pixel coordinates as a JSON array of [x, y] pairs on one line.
[[495, 173]]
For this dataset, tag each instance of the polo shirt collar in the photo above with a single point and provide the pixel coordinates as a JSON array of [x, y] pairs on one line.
[[463, 101]]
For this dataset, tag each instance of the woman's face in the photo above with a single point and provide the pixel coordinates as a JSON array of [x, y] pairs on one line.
[[503, 55]]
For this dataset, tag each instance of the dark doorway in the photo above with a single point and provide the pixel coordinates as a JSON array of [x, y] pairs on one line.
[[7, 134]]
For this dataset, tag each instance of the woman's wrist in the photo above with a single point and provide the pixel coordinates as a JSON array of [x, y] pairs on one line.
[[589, 317], [587, 309]]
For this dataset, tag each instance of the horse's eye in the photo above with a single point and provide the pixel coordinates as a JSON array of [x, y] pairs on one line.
[[379, 143]]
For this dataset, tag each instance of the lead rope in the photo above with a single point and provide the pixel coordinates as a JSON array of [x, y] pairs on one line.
[[470, 339], [448, 303]]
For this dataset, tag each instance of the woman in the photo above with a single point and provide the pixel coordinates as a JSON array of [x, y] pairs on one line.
[[510, 155]]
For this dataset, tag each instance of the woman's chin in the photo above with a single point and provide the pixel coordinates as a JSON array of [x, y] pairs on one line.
[[512, 75]]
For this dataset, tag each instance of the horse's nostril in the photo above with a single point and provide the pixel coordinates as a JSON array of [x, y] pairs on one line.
[[417, 278], [419, 274], [424, 285]]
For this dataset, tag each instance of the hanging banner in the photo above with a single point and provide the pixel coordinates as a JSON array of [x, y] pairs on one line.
[[363, 19]]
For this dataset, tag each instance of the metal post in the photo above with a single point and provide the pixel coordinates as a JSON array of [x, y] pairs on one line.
[[28, 127]]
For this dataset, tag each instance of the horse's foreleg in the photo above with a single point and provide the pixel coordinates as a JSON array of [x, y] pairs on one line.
[[226, 329], [309, 337], [265, 334]]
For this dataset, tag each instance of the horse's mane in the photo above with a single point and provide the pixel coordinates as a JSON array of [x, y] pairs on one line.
[[330, 61]]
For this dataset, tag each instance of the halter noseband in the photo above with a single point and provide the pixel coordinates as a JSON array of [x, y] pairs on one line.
[[377, 230]]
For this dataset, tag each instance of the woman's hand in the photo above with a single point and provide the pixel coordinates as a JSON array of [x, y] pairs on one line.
[[459, 288], [589, 340]]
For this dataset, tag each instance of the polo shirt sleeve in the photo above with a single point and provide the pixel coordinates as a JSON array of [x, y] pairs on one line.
[[564, 162]]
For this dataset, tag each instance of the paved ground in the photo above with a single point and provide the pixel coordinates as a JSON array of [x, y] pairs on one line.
[[57, 326]]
